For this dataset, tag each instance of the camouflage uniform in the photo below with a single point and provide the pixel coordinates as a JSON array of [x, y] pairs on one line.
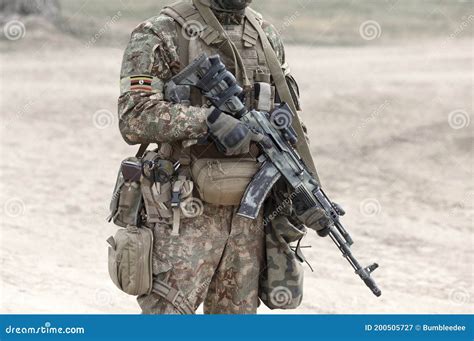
[[218, 257]]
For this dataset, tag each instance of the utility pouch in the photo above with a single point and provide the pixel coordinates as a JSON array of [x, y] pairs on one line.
[[130, 260], [167, 194], [127, 203], [264, 97], [223, 181], [281, 284], [156, 187]]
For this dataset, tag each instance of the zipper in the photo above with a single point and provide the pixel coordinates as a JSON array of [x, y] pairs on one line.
[[134, 230], [215, 171], [140, 265]]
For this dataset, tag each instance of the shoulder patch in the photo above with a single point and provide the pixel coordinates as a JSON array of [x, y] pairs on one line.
[[142, 83]]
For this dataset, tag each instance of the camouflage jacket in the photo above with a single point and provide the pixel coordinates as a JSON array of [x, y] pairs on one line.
[[145, 117]]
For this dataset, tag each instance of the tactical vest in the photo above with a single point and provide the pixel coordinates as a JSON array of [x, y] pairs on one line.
[[243, 51], [197, 37]]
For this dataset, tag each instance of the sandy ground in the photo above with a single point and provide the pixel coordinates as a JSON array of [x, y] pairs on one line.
[[382, 122]]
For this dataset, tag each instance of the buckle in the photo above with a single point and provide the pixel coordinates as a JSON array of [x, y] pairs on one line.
[[175, 199], [173, 297]]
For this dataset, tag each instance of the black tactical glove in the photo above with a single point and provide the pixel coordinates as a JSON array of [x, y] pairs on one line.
[[220, 87], [316, 219], [232, 136]]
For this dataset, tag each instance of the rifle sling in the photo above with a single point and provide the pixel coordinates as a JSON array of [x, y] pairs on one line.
[[210, 19], [142, 150], [284, 92]]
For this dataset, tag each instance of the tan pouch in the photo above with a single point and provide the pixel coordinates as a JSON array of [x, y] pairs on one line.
[[223, 181], [130, 260]]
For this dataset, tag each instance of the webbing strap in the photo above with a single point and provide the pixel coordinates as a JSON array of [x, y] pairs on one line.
[[154, 194], [142, 150], [284, 91], [211, 20], [183, 49], [177, 187], [173, 296]]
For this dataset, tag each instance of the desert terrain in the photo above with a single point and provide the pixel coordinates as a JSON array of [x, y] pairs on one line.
[[392, 137]]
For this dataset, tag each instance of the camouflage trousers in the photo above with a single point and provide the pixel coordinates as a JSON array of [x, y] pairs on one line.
[[217, 259]]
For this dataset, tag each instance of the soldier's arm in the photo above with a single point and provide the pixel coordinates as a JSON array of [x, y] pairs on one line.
[[278, 47], [144, 115]]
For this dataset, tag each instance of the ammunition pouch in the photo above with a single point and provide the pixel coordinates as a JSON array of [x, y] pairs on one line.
[[148, 191], [126, 204], [281, 284], [223, 181]]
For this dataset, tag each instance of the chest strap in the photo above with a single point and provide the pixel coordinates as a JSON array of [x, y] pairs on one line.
[[205, 11], [212, 32], [189, 18], [283, 90]]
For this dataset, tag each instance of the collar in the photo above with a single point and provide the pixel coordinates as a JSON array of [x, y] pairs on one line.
[[226, 18]]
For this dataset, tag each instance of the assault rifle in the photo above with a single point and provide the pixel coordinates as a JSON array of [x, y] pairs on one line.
[[278, 159]]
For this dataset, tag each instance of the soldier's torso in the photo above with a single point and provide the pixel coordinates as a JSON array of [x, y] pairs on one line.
[[251, 52], [245, 39]]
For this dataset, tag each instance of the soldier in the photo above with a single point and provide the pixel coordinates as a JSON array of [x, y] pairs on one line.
[[218, 257]]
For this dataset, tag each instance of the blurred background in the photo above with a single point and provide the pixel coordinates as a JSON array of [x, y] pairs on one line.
[[387, 91]]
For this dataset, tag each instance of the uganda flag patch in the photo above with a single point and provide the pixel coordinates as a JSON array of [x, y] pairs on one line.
[[141, 83]]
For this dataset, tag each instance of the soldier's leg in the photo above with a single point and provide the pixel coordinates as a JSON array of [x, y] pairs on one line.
[[187, 262], [234, 287]]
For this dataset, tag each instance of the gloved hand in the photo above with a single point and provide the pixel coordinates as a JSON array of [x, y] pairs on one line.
[[232, 136], [220, 87], [315, 218]]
